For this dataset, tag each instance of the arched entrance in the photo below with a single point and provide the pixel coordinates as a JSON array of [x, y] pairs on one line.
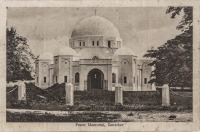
[[95, 80]]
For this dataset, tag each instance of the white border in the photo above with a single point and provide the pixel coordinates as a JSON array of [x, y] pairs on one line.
[[129, 126]]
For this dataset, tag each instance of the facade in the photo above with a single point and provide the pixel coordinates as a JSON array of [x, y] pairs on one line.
[[94, 60]]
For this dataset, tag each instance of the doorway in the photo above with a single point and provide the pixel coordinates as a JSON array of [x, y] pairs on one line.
[[95, 80]]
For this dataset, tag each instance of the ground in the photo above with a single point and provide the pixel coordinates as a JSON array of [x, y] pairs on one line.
[[97, 116]]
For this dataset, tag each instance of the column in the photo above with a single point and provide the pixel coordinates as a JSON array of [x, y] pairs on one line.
[[140, 78]]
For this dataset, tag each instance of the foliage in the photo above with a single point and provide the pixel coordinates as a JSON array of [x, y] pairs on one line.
[[173, 60], [19, 57]]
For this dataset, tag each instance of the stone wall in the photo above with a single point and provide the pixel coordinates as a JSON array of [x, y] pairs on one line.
[[150, 98], [142, 97]]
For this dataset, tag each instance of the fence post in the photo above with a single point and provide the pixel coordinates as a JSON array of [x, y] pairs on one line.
[[165, 95], [69, 94], [118, 94], [21, 91]]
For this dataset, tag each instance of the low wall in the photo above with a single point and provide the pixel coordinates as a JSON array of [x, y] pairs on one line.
[[142, 97], [108, 97]]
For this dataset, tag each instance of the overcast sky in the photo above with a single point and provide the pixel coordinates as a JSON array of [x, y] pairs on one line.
[[49, 29]]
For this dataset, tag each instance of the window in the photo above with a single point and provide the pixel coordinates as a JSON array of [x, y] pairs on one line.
[[37, 79], [65, 78], [109, 44], [124, 62], [133, 79], [83, 43], [56, 79], [145, 80], [118, 43], [45, 80], [80, 43], [125, 79], [77, 77], [56, 61], [113, 78], [93, 43], [97, 43], [95, 58]]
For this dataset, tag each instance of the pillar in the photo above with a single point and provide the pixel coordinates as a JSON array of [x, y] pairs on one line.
[[165, 95], [153, 86], [118, 94], [50, 78], [21, 91], [69, 94], [140, 78]]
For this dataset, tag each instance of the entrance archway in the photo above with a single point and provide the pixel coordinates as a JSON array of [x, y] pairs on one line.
[[95, 80]]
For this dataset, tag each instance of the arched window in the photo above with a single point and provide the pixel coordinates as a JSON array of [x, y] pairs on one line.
[[77, 77], [125, 79], [65, 79], [113, 78], [95, 58]]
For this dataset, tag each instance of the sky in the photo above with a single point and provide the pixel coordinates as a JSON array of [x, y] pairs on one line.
[[49, 29]]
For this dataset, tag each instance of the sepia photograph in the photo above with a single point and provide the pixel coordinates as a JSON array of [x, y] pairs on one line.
[[99, 64]]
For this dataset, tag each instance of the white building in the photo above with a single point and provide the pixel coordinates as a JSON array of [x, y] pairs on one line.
[[94, 59]]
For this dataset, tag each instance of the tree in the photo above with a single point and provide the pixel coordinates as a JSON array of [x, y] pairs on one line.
[[173, 60], [19, 57]]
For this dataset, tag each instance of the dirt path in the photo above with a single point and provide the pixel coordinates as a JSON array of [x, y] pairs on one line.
[[125, 116]]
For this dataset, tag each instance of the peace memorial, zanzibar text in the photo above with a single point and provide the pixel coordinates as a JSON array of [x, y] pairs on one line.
[[98, 124]]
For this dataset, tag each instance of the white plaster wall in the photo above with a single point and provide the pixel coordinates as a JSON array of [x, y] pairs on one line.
[[75, 69], [126, 69], [115, 70], [56, 69], [37, 73], [44, 72], [85, 69], [65, 68], [146, 72]]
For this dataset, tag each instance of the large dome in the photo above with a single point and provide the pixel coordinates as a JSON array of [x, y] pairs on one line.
[[124, 51], [95, 25]]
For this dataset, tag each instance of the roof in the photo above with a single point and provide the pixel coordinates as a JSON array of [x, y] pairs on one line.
[[66, 51], [46, 56], [124, 51], [95, 25]]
